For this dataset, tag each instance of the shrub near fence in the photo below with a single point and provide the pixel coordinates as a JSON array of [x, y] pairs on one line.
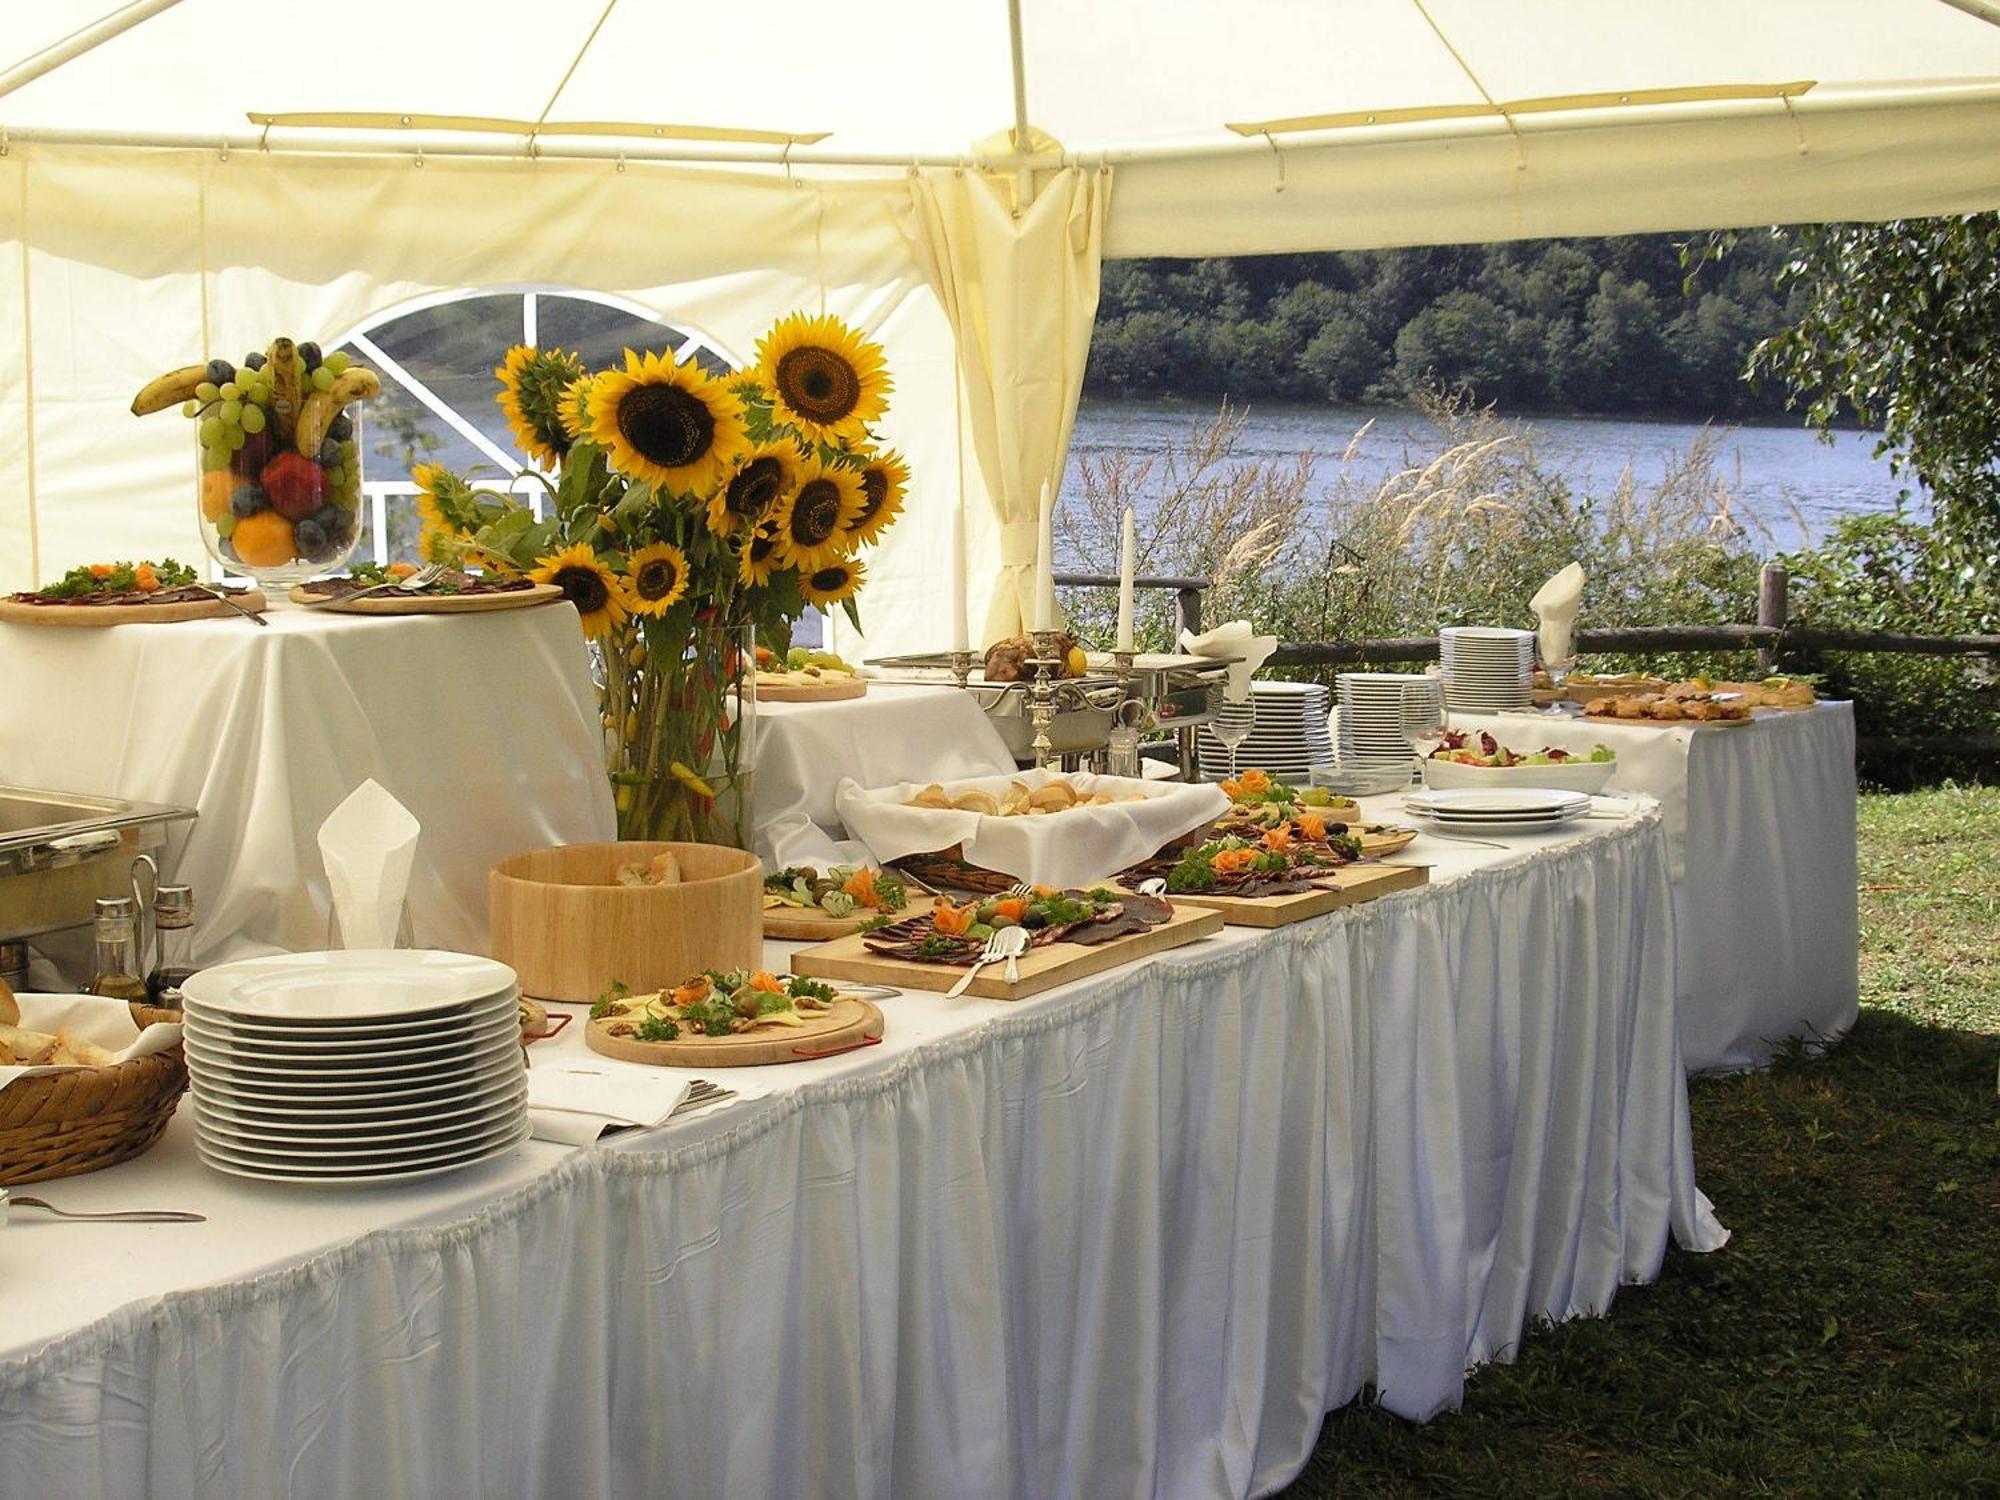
[[1466, 535]]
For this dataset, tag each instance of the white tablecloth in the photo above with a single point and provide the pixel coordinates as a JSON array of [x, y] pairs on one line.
[[1761, 832], [485, 726], [897, 732], [1134, 1236]]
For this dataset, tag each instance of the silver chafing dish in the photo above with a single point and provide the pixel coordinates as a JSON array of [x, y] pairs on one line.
[[60, 851]]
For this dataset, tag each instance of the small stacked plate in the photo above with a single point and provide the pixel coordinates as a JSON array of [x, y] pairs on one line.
[[1289, 738], [1501, 810], [358, 1067], [1486, 670], [1378, 710]]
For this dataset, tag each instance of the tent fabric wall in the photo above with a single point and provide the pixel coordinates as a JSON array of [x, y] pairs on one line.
[[117, 265], [1019, 284]]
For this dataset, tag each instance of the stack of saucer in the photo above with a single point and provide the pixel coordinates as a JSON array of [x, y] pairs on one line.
[[1288, 739], [1380, 711], [1486, 670], [1503, 810], [354, 1067]]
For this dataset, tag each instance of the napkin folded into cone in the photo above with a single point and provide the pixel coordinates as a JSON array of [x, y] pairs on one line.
[[1238, 640], [1555, 605], [369, 845]]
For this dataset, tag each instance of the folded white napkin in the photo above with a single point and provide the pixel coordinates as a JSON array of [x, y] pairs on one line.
[[90, 1018], [1078, 847], [1555, 605], [369, 844], [575, 1099], [1236, 639]]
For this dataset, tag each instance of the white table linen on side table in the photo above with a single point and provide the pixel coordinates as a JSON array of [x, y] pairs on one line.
[[485, 726], [1133, 1236], [1761, 833], [895, 732]]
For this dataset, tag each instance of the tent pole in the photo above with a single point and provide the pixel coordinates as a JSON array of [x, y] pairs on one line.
[[80, 41], [1982, 10], [1024, 177]]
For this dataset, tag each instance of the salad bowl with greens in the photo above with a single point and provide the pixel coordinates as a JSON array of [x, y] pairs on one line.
[[1477, 759]]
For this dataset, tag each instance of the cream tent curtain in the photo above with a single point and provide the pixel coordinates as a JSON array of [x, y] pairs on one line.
[[165, 187], [1019, 284]]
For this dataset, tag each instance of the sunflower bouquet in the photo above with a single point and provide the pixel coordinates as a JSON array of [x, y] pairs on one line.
[[689, 514]]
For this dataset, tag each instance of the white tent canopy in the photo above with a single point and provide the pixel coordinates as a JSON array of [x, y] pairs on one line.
[[179, 175]]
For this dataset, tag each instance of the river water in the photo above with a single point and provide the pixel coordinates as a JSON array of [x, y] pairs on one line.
[[1793, 484]]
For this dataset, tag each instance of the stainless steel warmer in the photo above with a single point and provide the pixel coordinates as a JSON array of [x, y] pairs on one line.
[[60, 851]]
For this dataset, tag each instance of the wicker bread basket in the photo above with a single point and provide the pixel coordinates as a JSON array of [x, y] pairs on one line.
[[65, 1124]]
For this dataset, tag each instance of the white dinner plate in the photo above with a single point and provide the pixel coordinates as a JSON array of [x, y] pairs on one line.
[[256, 1151], [220, 1022], [308, 1177], [311, 1045], [415, 1088], [358, 985], [1496, 826], [1497, 801], [417, 1133], [285, 1074], [252, 1117]]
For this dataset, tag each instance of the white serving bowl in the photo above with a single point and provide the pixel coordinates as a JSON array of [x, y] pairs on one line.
[[1570, 776]]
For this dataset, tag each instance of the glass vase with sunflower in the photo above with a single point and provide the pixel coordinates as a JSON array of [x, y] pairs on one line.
[[689, 514]]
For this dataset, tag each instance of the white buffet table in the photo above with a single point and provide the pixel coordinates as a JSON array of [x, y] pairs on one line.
[[1134, 1236], [484, 725], [1761, 832]]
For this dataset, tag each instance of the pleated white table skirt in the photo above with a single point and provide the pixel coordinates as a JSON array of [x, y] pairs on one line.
[[1135, 1236], [1761, 834]]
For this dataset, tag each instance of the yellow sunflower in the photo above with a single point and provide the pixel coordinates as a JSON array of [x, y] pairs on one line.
[[759, 559], [588, 584], [764, 478], [532, 384], [840, 579], [670, 424], [884, 480], [823, 378], [812, 521], [656, 578], [573, 411]]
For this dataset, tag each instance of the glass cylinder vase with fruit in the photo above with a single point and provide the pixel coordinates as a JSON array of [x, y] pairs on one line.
[[278, 476]]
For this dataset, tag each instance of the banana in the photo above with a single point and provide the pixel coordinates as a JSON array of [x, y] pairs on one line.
[[285, 399], [315, 416], [356, 384], [168, 390]]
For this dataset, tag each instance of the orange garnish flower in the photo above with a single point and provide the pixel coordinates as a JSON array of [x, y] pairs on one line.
[[1279, 838], [693, 992], [1255, 781], [861, 886], [1010, 906], [1312, 827], [145, 579], [1232, 789], [769, 983], [1229, 861], [100, 570], [950, 920]]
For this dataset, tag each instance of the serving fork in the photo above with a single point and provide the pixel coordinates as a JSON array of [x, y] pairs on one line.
[[10, 1201], [1006, 943], [226, 597], [422, 578]]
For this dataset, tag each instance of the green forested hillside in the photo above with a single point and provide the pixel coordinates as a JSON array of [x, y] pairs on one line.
[[1598, 325]]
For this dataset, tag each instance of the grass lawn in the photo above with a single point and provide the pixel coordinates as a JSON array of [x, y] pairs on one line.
[[1847, 1340]]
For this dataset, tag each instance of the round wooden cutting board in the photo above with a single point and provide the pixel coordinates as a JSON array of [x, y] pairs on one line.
[[1375, 845], [847, 1023], [395, 603], [799, 924], [817, 692], [128, 614]]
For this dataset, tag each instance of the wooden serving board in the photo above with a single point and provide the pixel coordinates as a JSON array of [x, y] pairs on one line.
[[1668, 723], [1041, 968], [847, 1023], [1375, 845], [129, 614], [816, 692], [1349, 886], [799, 924], [397, 603]]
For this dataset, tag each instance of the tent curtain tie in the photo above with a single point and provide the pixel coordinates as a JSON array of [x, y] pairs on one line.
[[1020, 541]]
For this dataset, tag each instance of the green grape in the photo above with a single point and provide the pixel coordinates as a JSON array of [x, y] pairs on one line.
[[231, 412], [225, 524], [253, 419], [215, 456], [338, 361], [349, 449], [336, 477], [211, 431], [207, 391], [322, 379], [235, 437], [189, 408], [228, 390]]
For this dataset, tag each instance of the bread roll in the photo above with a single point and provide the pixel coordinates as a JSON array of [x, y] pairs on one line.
[[977, 801], [10, 1008]]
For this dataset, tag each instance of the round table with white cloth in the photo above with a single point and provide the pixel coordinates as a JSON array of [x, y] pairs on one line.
[[1761, 834], [485, 726], [1133, 1236]]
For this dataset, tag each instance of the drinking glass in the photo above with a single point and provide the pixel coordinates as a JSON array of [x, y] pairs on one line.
[[1423, 716], [1231, 725]]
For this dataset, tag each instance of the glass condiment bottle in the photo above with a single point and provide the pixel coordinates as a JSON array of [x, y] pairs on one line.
[[173, 962], [116, 969]]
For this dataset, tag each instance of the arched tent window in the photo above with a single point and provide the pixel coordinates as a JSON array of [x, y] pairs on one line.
[[437, 356]]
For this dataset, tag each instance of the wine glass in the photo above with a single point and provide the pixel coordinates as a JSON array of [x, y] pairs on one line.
[[1423, 715], [1231, 725]]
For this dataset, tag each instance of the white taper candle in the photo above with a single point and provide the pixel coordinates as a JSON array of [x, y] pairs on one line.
[[1128, 552]]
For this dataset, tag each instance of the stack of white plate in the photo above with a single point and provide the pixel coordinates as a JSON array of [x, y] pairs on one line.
[[1289, 737], [1377, 712], [1502, 810], [355, 1067], [1486, 670]]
